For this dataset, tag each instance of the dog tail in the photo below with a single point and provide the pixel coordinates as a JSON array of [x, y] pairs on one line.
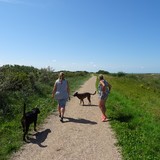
[[93, 93], [24, 109]]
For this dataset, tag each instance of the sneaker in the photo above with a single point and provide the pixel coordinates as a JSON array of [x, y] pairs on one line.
[[61, 119]]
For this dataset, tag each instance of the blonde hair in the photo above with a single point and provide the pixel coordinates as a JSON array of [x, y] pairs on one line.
[[101, 76], [61, 74]]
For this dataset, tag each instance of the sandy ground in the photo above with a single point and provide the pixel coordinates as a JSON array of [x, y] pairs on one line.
[[82, 136]]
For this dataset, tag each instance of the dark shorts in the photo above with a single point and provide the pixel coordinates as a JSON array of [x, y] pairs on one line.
[[104, 96], [62, 102]]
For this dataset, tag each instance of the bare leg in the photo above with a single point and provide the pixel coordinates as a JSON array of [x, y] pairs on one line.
[[59, 110], [62, 111], [103, 108]]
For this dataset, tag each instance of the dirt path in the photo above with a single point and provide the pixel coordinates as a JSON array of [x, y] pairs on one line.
[[82, 136]]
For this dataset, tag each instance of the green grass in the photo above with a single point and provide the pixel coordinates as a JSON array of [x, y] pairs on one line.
[[10, 128], [134, 109]]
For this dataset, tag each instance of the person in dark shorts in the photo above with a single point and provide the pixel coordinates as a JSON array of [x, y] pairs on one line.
[[61, 94]]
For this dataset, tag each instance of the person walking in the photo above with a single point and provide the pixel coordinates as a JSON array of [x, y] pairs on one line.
[[104, 89], [61, 93]]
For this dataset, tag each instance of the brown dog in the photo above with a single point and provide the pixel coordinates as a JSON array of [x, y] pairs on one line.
[[81, 96], [29, 118]]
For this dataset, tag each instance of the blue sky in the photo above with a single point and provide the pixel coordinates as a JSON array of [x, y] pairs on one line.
[[90, 35]]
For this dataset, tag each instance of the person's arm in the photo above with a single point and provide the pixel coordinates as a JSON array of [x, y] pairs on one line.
[[103, 86], [54, 90], [68, 90]]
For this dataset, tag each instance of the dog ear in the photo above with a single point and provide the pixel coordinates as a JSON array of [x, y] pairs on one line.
[[75, 94], [36, 110]]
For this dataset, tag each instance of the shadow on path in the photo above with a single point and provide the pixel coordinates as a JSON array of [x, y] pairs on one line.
[[91, 105], [40, 137], [79, 120]]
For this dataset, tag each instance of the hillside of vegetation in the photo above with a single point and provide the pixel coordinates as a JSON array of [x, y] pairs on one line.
[[19, 84]]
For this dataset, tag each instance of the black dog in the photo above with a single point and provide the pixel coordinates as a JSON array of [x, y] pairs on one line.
[[81, 96], [29, 118]]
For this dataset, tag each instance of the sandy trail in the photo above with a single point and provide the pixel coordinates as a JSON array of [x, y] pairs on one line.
[[82, 136]]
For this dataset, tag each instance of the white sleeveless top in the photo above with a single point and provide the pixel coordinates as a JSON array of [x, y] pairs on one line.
[[61, 92]]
